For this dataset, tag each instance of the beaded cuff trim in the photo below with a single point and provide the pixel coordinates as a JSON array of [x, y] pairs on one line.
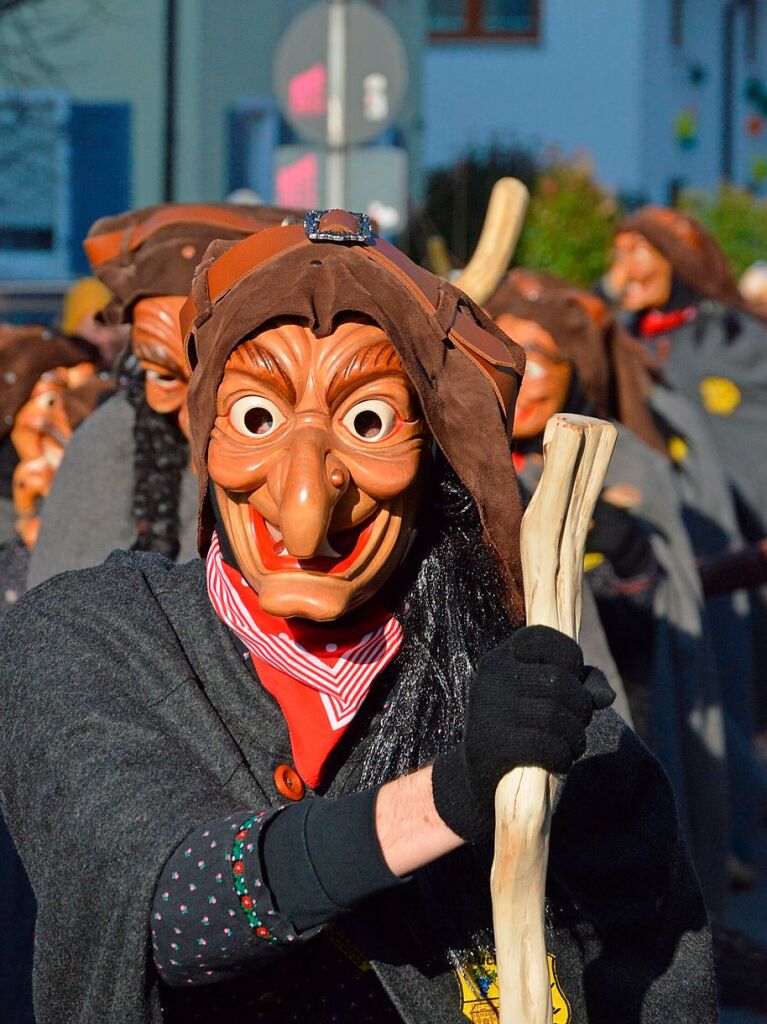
[[240, 882]]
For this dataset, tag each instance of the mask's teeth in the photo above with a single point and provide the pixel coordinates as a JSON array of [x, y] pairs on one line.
[[326, 551], [274, 533]]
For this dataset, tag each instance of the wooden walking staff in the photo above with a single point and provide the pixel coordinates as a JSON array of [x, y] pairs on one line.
[[503, 223], [576, 451]]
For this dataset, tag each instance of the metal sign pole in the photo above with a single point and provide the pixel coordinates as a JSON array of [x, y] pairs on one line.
[[335, 190]]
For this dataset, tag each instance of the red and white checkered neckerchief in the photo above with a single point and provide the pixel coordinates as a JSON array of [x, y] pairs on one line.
[[319, 678]]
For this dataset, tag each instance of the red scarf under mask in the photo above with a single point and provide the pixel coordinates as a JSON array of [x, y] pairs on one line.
[[319, 675]]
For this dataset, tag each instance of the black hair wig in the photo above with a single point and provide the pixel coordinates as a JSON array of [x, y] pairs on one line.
[[450, 608], [162, 452]]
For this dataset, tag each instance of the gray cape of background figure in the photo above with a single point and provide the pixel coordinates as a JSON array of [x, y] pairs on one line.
[[178, 735], [687, 722], [596, 651], [687, 732], [727, 343], [709, 514], [14, 564], [722, 342], [89, 512], [7, 520]]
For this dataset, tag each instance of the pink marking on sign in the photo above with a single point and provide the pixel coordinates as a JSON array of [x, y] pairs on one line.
[[297, 184], [306, 92]]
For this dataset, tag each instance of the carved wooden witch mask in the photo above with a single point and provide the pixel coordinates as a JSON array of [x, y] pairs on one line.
[[317, 457], [322, 364], [60, 400], [548, 375], [156, 341]]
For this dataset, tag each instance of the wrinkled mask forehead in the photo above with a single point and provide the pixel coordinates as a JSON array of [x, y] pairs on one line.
[[317, 458]]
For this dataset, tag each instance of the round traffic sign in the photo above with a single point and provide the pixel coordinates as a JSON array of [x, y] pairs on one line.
[[375, 79]]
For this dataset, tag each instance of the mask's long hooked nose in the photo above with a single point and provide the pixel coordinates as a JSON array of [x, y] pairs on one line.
[[306, 485]]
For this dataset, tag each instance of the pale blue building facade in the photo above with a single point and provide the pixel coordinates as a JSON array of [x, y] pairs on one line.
[[173, 99], [640, 86]]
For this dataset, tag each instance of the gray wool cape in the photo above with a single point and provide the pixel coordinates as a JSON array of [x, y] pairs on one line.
[[7, 520], [88, 513], [710, 517], [725, 344], [687, 731], [128, 718], [687, 721]]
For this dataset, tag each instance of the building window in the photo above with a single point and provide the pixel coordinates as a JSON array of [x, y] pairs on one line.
[[34, 207], [484, 19]]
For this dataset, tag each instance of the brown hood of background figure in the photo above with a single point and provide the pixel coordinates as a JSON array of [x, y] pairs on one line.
[[465, 371], [26, 353], [612, 375], [154, 251], [694, 254]]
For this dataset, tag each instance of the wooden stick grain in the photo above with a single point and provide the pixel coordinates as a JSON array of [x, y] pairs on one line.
[[577, 451]]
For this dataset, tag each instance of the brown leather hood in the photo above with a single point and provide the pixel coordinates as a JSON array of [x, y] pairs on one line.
[[465, 370], [25, 354], [611, 372], [154, 251]]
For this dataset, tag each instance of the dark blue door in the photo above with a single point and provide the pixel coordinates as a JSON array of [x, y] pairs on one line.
[[100, 169]]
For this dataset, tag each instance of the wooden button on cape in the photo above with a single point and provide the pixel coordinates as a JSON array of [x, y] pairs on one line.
[[288, 782]]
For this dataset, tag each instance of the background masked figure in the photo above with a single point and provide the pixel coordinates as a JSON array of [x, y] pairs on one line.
[[670, 275], [292, 749], [126, 481], [673, 283], [26, 353], [60, 401], [641, 565]]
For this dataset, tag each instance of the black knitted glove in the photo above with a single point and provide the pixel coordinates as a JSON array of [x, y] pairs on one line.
[[530, 702], [619, 537]]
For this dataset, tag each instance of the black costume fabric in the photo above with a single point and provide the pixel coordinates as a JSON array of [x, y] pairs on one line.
[[134, 649], [17, 910]]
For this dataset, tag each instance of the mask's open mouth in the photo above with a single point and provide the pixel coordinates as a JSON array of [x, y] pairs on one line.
[[338, 552]]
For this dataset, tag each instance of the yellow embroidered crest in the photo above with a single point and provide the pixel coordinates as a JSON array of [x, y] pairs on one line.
[[478, 980], [591, 560], [678, 448], [721, 396]]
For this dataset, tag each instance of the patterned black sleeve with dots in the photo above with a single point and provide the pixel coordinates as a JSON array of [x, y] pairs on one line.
[[213, 913], [240, 891]]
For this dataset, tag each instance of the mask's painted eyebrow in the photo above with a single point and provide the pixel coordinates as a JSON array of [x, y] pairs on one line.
[[372, 361], [264, 364], [159, 354], [542, 353]]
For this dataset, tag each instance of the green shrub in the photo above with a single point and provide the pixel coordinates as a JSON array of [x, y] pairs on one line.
[[736, 218], [569, 225], [571, 219]]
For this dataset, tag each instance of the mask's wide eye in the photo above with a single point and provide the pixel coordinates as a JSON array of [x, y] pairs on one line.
[[370, 421], [255, 416]]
